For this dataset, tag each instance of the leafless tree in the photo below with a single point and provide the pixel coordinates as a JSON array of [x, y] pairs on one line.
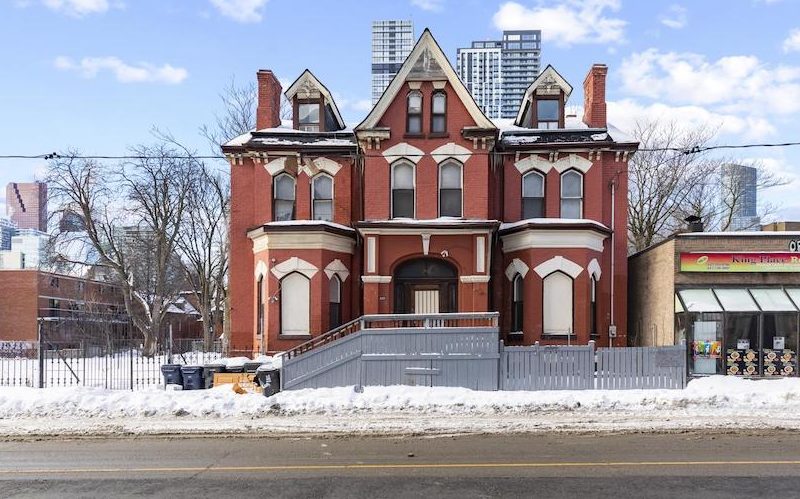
[[672, 177], [131, 216], [239, 114]]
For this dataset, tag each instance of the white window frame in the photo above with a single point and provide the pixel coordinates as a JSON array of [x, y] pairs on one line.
[[444, 163], [562, 198], [283, 299], [313, 198], [545, 315], [275, 190], [402, 162]]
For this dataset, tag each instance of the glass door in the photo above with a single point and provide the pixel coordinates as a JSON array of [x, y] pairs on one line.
[[779, 344], [741, 344]]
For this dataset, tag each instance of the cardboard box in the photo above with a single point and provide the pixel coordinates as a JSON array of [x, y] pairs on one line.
[[240, 382]]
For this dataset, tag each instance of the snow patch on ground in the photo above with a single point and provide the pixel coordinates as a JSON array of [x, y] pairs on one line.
[[716, 402]]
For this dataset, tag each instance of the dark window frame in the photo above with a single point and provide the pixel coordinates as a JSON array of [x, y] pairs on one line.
[[314, 199], [442, 166], [335, 308], [540, 198], [321, 114], [517, 304], [276, 199], [564, 175], [410, 115], [392, 207], [434, 115]]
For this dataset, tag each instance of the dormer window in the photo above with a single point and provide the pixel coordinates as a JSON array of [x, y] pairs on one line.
[[548, 113], [439, 112], [414, 112], [308, 116]]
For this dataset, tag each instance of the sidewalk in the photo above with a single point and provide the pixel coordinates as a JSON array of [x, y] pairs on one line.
[[718, 403]]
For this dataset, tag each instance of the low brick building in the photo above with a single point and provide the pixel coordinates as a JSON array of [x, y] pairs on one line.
[[733, 297], [427, 207]]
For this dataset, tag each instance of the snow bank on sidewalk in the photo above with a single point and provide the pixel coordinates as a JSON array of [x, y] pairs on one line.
[[709, 397]]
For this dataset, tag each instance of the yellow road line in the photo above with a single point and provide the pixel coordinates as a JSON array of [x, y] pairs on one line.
[[362, 466]]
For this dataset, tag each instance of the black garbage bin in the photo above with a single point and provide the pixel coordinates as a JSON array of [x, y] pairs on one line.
[[209, 370], [234, 369], [251, 367], [269, 378], [192, 377], [172, 374]]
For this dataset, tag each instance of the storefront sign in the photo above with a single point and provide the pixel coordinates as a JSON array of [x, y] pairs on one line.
[[742, 344], [740, 262], [778, 342]]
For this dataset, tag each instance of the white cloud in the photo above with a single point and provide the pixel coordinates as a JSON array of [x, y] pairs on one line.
[[432, 5], [792, 42], [732, 83], [243, 11], [566, 23], [142, 72], [74, 8], [675, 17], [625, 113]]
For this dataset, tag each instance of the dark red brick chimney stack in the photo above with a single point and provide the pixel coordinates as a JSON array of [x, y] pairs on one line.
[[594, 97], [268, 111]]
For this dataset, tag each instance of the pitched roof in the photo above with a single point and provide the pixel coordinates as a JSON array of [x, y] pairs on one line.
[[548, 77], [307, 82], [426, 61]]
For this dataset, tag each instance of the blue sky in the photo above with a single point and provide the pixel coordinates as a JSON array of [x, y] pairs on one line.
[[99, 74]]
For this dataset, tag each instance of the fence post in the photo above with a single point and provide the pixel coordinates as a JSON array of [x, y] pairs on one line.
[[130, 356], [501, 366], [593, 365], [40, 356]]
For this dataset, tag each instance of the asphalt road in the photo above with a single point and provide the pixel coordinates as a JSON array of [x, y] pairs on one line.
[[677, 465]]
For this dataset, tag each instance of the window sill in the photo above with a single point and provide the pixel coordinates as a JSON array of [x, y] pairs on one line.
[[414, 136], [294, 336], [443, 135], [559, 337]]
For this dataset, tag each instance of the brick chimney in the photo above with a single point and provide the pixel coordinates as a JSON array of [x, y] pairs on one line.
[[594, 97], [268, 111]]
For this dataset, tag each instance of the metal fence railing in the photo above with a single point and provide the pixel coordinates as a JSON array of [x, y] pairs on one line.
[[118, 364]]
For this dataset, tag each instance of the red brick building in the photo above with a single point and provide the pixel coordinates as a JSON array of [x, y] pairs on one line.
[[427, 206]]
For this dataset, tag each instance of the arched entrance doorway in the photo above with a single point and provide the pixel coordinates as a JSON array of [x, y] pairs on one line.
[[425, 286]]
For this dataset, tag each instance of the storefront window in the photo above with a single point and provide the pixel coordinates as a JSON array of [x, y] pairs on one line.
[[741, 344], [773, 300], [779, 347]]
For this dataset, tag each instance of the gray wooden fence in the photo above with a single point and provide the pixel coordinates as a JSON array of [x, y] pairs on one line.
[[464, 350], [641, 367], [547, 368], [452, 350]]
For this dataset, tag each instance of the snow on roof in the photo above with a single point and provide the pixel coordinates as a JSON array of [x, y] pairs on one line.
[[322, 142], [743, 233], [552, 221], [618, 135], [439, 220], [293, 223]]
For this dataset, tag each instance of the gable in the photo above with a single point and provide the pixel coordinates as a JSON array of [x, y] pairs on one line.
[[549, 82], [308, 86], [426, 62]]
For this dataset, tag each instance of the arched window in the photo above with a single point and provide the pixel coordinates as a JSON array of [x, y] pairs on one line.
[[533, 195], [402, 190], [557, 313], [450, 191], [571, 194], [295, 305], [439, 112], [322, 195], [414, 112], [283, 194], [334, 302], [260, 305], [516, 304]]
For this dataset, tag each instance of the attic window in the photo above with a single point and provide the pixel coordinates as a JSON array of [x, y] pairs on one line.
[[308, 116], [548, 113]]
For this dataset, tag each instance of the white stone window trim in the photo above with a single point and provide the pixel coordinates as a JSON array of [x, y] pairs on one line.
[[516, 266], [294, 264], [451, 150], [544, 165], [337, 268], [558, 263], [403, 150], [594, 269]]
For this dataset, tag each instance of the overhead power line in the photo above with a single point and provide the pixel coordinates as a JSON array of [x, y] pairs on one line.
[[692, 150]]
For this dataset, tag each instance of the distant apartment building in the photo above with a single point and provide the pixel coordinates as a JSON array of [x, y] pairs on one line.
[[392, 41], [7, 230], [26, 204], [740, 187], [498, 72], [27, 250], [479, 68]]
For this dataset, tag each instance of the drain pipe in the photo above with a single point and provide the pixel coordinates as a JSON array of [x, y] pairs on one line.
[[613, 251]]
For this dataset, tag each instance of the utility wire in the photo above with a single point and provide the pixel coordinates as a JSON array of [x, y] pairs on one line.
[[692, 150]]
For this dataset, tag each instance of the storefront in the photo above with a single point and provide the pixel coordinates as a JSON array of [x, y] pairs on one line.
[[733, 298]]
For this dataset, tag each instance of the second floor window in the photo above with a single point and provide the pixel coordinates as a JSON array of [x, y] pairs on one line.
[[322, 192], [547, 113], [439, 112], [414, 113], [533, 195], [450, 192], [571, 194], [283, 193], [402, 190], [308, 116]]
